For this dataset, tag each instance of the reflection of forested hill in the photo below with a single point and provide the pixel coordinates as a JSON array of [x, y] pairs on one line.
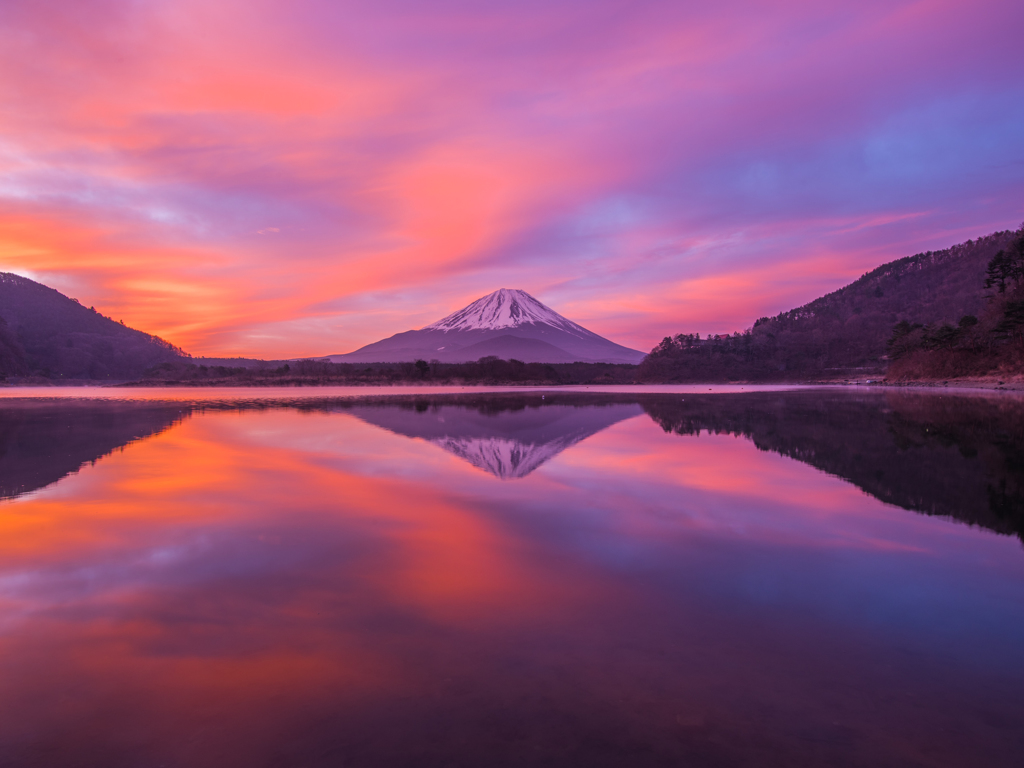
[[41, 442], [958, 457]]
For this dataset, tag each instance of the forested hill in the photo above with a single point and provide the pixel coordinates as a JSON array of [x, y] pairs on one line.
[[45, 333], [844, 332], [932, 287]]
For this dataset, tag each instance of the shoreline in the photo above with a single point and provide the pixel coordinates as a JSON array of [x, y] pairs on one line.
[[994, 384], [175, 391]]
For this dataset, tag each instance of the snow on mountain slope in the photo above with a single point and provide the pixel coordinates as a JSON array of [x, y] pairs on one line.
[[508, 324], [505, 308]]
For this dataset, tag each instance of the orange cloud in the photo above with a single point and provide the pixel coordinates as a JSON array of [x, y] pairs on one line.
[[400, 162]]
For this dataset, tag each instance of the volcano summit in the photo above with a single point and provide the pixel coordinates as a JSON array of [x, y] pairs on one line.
[[509, 324]]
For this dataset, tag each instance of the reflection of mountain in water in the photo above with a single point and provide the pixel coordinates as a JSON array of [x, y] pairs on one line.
[[500, 456], [957, 457], [953, 456], [503, 436], [41, 442]]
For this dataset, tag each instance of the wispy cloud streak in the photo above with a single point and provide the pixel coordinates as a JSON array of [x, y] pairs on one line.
[[275, 179]]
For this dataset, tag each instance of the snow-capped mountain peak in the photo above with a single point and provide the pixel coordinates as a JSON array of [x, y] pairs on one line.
[[505, 308], [509, 324]]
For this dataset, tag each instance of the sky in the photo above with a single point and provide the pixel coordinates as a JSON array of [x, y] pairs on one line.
[[282, 179]]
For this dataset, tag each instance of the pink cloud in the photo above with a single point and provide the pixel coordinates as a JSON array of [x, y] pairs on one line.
[[285, 179]]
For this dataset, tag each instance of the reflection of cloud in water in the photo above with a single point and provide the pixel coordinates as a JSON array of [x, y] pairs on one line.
[[958, 457], [223, 593], [508, 444]]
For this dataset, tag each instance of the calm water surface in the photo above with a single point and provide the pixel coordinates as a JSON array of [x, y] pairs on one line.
[[780, 578]]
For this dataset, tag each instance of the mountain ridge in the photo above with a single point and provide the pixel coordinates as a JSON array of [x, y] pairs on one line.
[[45, 333], [844, 333], [477, 331]]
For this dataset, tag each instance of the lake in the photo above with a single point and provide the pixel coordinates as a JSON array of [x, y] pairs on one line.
[[699, 576]]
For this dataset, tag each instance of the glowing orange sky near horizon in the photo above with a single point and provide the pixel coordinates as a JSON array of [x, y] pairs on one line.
[[279, 180]]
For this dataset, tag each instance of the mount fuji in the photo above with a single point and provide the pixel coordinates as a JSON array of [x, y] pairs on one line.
[[509, 324]]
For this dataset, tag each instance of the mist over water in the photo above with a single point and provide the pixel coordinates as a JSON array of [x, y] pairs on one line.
[[522, 578]]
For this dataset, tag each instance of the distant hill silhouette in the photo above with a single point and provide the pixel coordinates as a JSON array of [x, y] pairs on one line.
[[844, 333], [44, 333]]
